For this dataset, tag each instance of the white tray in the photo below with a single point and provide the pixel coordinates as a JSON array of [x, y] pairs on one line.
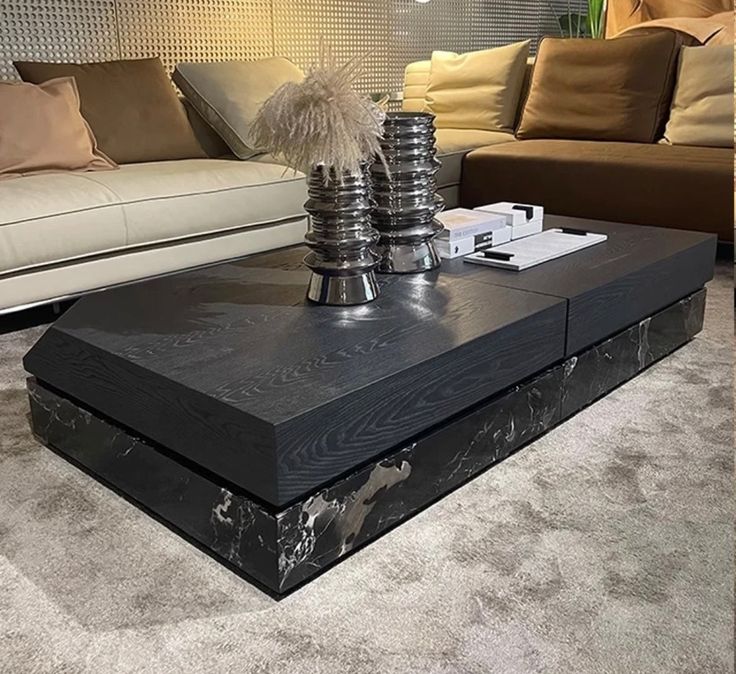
[[533, 250]]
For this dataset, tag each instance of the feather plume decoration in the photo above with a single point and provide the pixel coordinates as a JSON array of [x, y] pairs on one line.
[[321, 120]]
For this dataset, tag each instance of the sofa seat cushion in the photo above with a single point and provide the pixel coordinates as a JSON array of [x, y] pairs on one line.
[[454, 144], [450, 141], [56, 218], [670, 186], [166, 201]]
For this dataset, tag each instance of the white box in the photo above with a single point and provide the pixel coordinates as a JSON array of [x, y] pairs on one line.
[[460, 223], [527, 229], [517, 217]]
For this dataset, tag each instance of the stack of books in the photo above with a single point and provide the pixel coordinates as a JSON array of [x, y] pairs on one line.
[[469, 230]]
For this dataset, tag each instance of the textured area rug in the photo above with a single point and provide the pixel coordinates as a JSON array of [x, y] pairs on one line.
[[605, 546]]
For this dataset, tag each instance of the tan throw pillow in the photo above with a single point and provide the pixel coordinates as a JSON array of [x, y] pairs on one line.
[[702, 105], [478, 90], [228, 95], [41, 130], [131, 107], [613, 90]]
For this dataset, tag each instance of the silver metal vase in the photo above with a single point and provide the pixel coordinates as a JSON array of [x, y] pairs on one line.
[[404, 196], [341, 238]]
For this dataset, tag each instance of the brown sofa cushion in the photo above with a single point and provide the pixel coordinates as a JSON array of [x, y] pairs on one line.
[[131, 107], [42, 130], [669, 186], [716, 29], [616, 90], [622, 14]]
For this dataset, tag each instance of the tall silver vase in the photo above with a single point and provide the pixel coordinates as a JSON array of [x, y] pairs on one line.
[[405, 198], [341, 238]]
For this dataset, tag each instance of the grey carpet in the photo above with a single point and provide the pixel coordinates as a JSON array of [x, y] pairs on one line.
[[606, 546]]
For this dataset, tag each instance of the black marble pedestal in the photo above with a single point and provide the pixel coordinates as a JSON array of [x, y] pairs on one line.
[[281, 547]]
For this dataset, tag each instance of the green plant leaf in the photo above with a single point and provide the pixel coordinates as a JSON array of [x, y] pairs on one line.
[[596, 13]]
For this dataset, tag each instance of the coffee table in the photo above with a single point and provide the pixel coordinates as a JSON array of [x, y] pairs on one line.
[[280, 436]]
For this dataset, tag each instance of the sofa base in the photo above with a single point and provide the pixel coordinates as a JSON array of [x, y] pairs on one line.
[[23, 290]]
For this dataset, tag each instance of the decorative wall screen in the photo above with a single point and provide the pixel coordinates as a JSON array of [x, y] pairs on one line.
[[390, 32]]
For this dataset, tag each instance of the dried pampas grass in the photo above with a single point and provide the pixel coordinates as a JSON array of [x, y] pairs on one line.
[[321, 120]]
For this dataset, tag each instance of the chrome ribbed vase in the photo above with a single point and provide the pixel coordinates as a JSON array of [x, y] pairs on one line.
[[341, 238], [405, 201]]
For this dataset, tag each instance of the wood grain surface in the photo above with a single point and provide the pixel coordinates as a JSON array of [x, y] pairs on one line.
[[230, 368]]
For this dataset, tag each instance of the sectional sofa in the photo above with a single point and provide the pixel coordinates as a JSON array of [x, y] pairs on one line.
[[64, 234], [647, 183]]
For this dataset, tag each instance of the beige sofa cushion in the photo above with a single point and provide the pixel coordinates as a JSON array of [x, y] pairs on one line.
[[416, 78], [463, 140], [56, 218], [478, 90], [702, 105], [228, 95], [172, 200], [42, 284], [452, 146]]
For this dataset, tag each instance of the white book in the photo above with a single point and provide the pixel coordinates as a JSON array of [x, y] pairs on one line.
[[533, 250], [459, 247], [461, 223]]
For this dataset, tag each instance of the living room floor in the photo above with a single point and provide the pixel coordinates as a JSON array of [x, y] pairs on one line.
[[605, 546]]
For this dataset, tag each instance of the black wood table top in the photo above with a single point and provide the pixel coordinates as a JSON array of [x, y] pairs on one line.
[[230, 368], [639, 270]]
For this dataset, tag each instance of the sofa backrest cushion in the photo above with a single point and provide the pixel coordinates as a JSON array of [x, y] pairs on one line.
[[131, 107], [416, 79], [211, 142], [478, 90], [716, 29], [228, 95], [622, 14], [614, 90], [41, 130], [702, 105]]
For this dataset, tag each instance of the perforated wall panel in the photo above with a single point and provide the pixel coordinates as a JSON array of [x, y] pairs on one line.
[[56, 30], [195, 30], [390, 33]]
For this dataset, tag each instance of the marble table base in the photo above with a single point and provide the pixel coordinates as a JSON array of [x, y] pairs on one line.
[[281, 549]]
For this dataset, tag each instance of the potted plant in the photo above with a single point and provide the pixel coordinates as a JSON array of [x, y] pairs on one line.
[[580, 19]]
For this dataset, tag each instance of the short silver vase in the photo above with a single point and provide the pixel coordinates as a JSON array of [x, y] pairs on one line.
[[405, 199], [341, 238]]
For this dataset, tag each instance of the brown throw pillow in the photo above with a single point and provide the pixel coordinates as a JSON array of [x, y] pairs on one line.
[[41, 129], [614, 90], [131, 107]]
